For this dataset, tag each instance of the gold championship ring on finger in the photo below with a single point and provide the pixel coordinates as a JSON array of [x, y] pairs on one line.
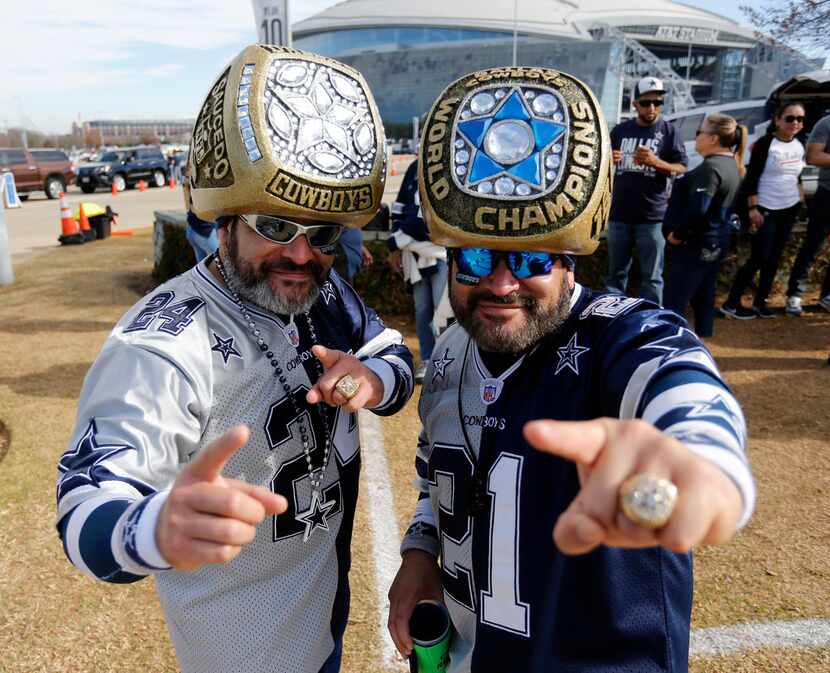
[[648, 500], [347, 386]]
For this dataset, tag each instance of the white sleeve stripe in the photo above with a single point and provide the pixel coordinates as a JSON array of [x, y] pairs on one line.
[[404, 369], [386, 373], [693, 431], [734, 468], [397, 208], [388, 337], [72, 534], [643, 375], [689, 394], [145, 537], [114, 489], [424, 512]]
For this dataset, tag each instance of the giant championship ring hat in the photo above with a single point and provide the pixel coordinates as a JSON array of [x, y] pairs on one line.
[[516, 159], [288, 133]]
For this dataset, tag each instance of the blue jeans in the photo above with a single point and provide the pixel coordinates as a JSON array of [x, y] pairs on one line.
[[647, 238], [426, 294], [202, 245]]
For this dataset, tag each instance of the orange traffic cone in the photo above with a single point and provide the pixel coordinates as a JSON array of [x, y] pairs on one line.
[[70, 233], [86, 231], [114, 190], [172, 182], [141, 186]]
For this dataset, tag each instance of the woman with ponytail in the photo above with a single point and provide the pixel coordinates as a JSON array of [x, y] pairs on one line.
[[697, 224]]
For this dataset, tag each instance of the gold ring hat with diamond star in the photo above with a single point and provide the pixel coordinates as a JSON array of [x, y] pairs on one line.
[[516, 159], [287, 133]]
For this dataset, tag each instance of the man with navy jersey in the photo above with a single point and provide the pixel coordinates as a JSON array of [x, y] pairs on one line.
[[216, 444], [551, 408], [647, 153]]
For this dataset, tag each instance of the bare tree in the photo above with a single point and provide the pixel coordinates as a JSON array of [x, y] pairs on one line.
[[803, 24]]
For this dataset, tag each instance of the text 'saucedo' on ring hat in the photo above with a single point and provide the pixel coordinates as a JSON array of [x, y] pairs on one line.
[[516, 159], [288, 133]]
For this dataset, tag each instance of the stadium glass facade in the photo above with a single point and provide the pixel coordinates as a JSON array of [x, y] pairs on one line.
[[407, 67]]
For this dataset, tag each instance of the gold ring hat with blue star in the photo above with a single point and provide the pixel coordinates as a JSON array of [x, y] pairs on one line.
[[516, 159], [287, 133]]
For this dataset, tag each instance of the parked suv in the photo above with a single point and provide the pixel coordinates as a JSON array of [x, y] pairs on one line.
[[124, 168], [35, 170]]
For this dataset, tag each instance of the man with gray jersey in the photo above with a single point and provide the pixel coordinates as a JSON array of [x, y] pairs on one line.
[[216, 445]]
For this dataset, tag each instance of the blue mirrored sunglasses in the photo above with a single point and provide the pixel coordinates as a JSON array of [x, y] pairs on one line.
[[476, 263]]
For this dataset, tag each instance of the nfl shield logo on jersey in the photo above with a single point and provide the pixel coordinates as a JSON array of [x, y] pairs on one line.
[[490, 390]]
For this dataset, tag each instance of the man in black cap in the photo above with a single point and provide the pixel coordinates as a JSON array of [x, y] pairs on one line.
[[647, 153]]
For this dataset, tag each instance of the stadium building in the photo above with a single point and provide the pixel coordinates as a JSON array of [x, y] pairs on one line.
[[408, 51]]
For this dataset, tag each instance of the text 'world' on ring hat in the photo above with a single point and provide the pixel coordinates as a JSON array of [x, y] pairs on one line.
[[288, 133], [516, 159]]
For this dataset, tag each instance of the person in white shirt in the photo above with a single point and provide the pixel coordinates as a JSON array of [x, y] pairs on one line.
[[774, 194]]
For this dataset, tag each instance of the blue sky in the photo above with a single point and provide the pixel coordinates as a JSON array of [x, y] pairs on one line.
[[93, 59]]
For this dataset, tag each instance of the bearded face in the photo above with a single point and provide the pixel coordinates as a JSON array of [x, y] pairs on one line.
[[283, 279], [512, 317]]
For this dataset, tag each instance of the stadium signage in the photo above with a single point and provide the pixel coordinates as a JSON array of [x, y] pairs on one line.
[[687, 34]]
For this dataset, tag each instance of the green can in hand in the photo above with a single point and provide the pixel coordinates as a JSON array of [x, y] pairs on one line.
[[431, 633]]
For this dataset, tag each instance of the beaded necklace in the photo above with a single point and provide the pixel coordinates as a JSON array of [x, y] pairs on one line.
[[315, 516]]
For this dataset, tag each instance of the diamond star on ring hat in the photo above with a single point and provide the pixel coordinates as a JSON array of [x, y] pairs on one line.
[[516, 159], [290, 134]]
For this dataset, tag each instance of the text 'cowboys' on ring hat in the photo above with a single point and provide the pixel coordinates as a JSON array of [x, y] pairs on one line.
[[288, 133], [516, 159]]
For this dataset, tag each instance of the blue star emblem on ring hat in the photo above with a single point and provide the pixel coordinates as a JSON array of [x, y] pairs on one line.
[[514, 136]]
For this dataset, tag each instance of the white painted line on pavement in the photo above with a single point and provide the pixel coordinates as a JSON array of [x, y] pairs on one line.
[[377, 487], [720, 640]]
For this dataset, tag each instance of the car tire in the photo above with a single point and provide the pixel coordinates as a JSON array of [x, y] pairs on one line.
[[87, 189], [158, 179], [120, 182], [53, 186]]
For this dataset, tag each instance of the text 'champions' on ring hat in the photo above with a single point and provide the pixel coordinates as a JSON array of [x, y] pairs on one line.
[[516, 159], [288, 133]]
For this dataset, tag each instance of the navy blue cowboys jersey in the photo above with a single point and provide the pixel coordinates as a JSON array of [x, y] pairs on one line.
[[178, 370], [516, 602]]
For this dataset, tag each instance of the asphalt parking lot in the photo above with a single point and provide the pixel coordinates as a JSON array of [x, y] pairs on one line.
[[35, 226]]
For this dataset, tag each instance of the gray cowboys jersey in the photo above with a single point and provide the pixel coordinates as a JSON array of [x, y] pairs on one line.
[[178, 370], [489, 501]]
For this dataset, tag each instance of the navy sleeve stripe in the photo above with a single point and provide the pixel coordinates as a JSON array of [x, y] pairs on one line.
[[95, 540]]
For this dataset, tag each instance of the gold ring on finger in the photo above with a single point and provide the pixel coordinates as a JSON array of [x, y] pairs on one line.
[[347, 386], [648, 500]]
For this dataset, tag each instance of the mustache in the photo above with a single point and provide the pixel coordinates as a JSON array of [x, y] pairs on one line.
[[315, 269], [512, 298]]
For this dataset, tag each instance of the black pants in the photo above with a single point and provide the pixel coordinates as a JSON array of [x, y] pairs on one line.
[[767, 245], [691, 281], [818, 229]]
